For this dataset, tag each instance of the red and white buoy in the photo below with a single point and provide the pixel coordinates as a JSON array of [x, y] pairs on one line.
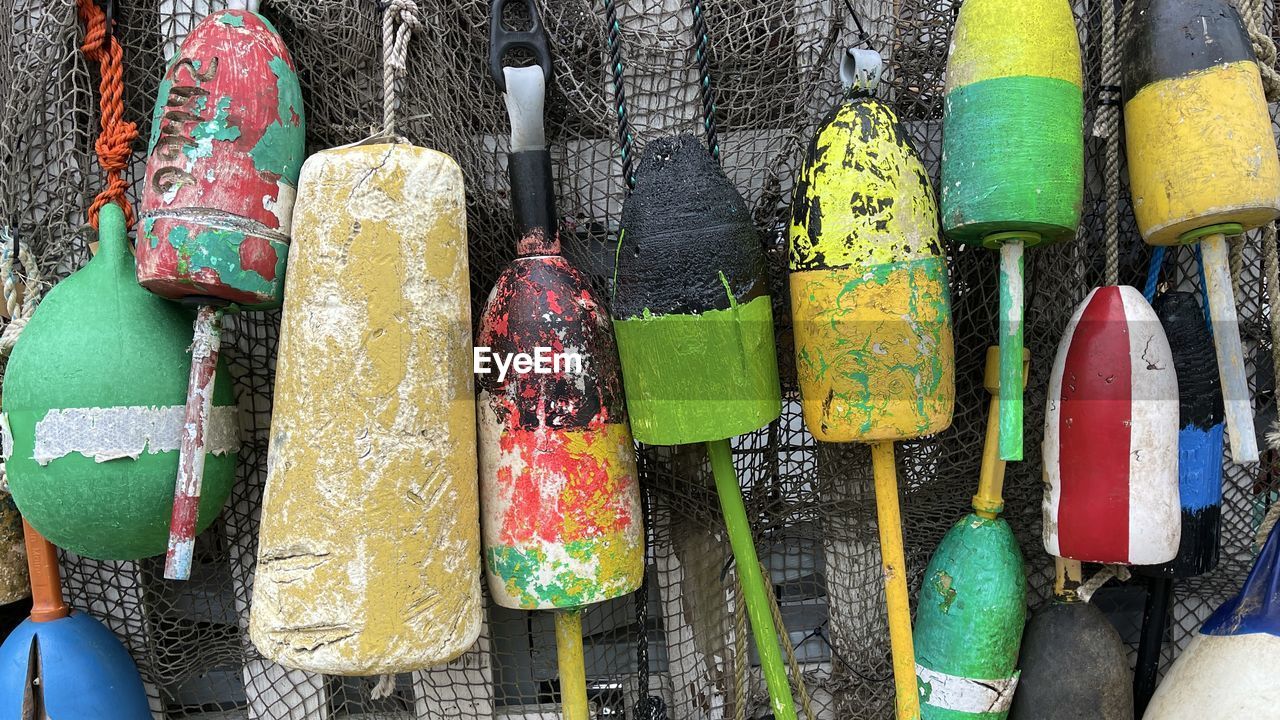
[[1111, 435]]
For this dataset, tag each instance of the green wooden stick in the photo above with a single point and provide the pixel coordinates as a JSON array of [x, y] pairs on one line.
[[1010, 329], [753, 587]]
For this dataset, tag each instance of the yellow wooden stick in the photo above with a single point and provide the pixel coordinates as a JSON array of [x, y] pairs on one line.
[[1066, 579], [894, 565], [573, 673], [989, 502]]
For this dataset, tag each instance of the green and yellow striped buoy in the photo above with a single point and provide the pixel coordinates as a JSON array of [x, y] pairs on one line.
[[1012, 154], [973, 602], [871, 313]]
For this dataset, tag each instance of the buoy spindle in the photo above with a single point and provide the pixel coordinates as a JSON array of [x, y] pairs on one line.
[[186, 495], [47, 603], [747, 565], [569, 659], [1226, 335], [894, 564]]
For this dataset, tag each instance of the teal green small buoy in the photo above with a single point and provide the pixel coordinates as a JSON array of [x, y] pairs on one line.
[[93, 405], [973, 603]]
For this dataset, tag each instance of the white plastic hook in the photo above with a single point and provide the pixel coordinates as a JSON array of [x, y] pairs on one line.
[[860, 69]]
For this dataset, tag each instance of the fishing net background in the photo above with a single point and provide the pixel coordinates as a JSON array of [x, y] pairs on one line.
[[774, 69]]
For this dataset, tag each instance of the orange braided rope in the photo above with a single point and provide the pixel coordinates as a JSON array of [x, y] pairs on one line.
[[115, 142]]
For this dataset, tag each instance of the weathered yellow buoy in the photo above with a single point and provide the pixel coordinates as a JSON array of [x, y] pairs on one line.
[[369, 553]]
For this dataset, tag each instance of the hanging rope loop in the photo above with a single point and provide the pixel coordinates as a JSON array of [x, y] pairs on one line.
[[114, 144], [400, 19]]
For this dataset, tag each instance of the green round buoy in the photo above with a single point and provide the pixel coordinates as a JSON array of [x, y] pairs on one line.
[[93, 404]]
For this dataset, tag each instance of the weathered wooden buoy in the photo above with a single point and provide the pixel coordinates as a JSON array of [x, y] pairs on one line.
[[62, 663], [13, 555], [1111, 435], [93, 400], [1202, 158], [1199, 476], [973, 603], [1230, 667], [217, 199], [872, 316], [369, 546], [694, 324], [1012, 154], [867, 270], [1073, 664], [562, 521]]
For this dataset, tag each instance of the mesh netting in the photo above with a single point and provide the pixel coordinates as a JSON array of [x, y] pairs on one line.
[[774, 69]]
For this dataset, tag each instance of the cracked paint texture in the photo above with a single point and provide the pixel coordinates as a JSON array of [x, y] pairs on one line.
[[369, 550], [225, 150], [560, 498], [969, 621], [869, 292]]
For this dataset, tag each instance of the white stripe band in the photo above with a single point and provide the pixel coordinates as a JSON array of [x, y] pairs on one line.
[[966, 695], [125, 432]]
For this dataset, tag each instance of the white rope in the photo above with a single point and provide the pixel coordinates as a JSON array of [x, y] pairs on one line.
[[384, 688], [399, 20], [1107, 126], [1091, 586], [19, 300]]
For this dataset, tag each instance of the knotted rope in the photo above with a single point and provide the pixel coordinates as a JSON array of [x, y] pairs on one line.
[[114, 144], [399, 20]]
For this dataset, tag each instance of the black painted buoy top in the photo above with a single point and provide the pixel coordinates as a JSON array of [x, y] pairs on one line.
[[1173, 38], [683, 227], [1199, 389]]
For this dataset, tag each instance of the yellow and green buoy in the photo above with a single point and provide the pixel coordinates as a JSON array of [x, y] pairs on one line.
[[871, 314]]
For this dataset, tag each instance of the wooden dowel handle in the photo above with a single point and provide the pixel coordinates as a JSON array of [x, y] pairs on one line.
[[1226, 341], [195, 425], [47, 603], [894, 564]]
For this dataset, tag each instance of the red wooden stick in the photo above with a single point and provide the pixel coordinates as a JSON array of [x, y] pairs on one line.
[[186, 495]]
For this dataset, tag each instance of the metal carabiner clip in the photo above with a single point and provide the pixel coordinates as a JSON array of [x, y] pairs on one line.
[[501, 40]]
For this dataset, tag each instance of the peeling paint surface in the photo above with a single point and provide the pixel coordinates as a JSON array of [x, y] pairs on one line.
[[369, 550], [561, 501], [106, 434], [225, 150], [870, 301]]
